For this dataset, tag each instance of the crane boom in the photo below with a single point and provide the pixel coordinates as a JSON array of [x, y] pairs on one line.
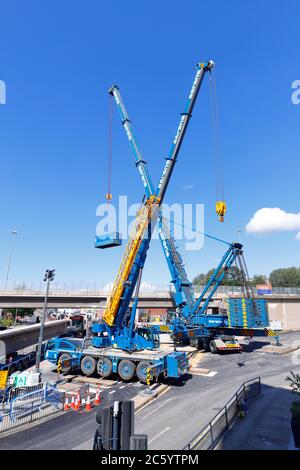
[[138, 243], [126, 122], [202, 68]]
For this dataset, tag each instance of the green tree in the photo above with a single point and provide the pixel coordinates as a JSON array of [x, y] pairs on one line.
[[233, 277], [21, 312], [258, 279], [199, 280], [285, 277]]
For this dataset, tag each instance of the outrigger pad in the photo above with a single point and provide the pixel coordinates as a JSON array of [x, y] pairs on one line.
[[108, 240]]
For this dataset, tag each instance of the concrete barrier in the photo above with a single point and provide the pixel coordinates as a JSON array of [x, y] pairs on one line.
[[21, 337]]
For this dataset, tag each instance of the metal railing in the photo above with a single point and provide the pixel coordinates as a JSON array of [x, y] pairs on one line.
[[211, 434], [27, 407], [240, 290], [90, 289]]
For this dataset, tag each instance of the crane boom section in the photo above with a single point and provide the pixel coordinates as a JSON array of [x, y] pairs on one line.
[[217, 277], [126, 122], [202, 68], [184, 296], [139, 232]]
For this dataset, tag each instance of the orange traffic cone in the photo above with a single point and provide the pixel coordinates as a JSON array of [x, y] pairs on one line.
[[76, 407], [88, 406], [97, 400], [66, 405], [73, 402], [78, 398]]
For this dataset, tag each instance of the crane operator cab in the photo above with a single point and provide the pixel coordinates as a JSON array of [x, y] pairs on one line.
[[148, 337]]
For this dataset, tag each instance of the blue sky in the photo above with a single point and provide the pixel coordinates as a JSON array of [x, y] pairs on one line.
[[58, 60]]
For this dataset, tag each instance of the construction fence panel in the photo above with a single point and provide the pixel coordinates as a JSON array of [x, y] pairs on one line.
[[31, 406]]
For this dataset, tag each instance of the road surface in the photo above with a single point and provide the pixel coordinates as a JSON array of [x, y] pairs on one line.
[[174, 418]]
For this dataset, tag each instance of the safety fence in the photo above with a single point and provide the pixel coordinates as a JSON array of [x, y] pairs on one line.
[[26, 407], [212, 433], [22, 405]]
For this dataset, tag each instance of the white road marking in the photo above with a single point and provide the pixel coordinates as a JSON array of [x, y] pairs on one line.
[[160, 434], [123, 386], [212, 373], [94, 390], [160, 406], [113, 391]]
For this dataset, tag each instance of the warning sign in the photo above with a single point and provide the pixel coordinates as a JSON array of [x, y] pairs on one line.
[[3, 378]]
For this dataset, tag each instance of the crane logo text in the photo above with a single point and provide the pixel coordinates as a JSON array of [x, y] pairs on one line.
[[194, 84], [179, 129], [163, 173]]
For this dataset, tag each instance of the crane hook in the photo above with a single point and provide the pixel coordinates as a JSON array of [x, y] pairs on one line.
[[221, 210]]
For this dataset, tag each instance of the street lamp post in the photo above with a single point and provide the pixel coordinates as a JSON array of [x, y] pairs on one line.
[[239, 231], [12, 232], [49, 276]]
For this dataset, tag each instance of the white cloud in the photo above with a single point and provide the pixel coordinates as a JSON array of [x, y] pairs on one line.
[[186, 187], [274, 219]]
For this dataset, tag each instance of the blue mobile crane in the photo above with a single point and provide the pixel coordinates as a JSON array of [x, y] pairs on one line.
[[191, 321], [246, 316], [117, 345]]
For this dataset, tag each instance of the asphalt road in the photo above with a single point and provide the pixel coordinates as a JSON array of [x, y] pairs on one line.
[[174, 418], [71, 430]]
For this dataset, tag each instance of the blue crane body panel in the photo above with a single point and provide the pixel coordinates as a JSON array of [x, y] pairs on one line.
[[248, 313], [171, 364]]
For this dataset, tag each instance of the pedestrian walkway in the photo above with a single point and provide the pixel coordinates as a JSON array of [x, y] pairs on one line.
[[267, 424]]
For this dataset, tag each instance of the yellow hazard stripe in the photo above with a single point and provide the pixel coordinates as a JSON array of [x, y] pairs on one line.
[[271, 333], [164, 328]]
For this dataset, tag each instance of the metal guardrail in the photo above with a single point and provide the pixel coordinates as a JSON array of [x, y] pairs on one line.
[[239, 290], [211, 434], [27, 407], [91, 291]]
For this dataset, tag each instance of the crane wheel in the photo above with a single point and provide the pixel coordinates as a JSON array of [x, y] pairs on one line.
[[88, 365], [104, 367], [65, 357], [212, 347], [141, 371], [126, 369]]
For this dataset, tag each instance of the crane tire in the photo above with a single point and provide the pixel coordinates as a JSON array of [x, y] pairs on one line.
[[212, 347], [88, 365], [64, 357], [104, 367], [126, 369], [141, 371]]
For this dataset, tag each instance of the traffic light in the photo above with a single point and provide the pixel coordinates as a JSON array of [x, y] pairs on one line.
[[126, 420], [116, 428], [49, 274]]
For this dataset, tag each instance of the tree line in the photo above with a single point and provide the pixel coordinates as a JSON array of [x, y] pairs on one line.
[[282, 277]]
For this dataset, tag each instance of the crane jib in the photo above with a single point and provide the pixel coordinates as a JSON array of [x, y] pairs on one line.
[[183, 123]]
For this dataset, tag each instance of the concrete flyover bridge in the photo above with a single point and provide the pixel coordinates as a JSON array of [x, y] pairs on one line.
[[20, 337], [70, 299], [283, 304]]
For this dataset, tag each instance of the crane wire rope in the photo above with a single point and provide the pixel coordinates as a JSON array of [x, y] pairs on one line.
[[219, 182], [108, 195], [207, 235]]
